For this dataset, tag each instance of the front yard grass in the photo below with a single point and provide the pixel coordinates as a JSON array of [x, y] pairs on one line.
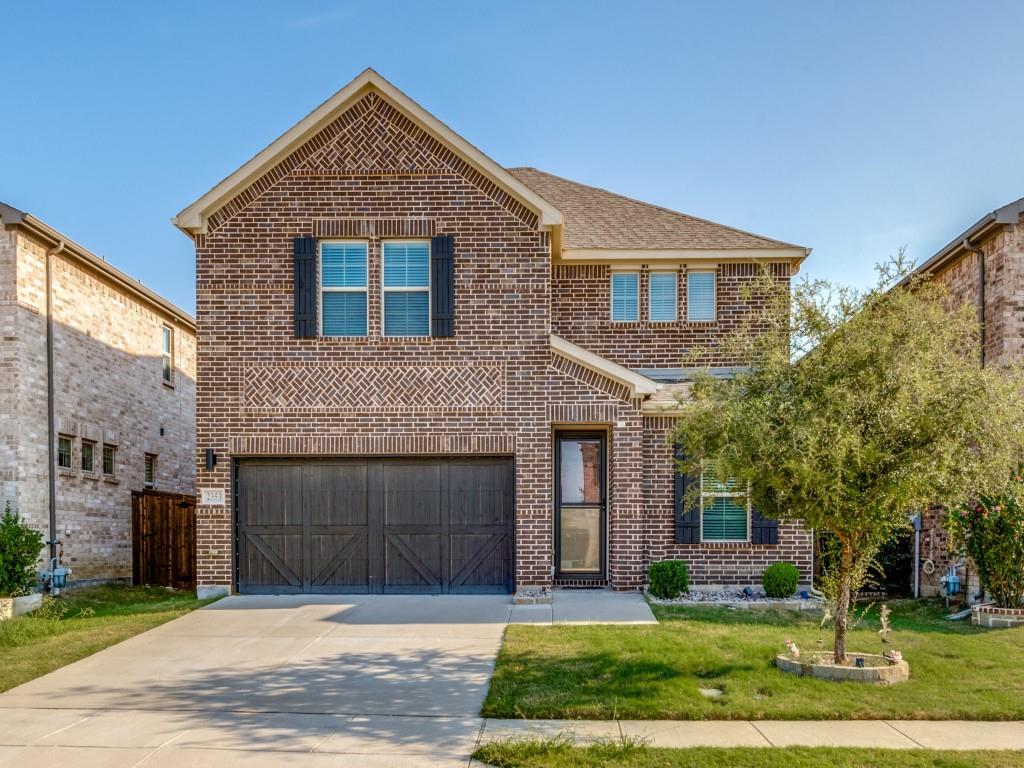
[[655, 671], [80, 623], [559, 754]]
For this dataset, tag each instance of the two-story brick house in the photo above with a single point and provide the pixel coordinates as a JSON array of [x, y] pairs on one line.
[[982, 266], [420, 371], [97, 398]]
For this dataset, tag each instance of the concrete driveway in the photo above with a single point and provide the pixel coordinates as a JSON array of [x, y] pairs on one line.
[[283, 681]]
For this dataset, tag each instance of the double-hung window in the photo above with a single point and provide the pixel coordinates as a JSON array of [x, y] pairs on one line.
[[700, 296], [625, 297], [663, 293], [108, 460], [64, 452], [406, 288], [88, 456], [167, 353], [724, 507], [342, 288]]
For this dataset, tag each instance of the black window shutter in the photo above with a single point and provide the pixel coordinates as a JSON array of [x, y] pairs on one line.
[[762, 529], [304, 251], [442, 284], [687, 510]]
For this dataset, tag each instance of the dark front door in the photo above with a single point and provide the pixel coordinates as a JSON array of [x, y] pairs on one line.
[[580, 495], [375, 525]]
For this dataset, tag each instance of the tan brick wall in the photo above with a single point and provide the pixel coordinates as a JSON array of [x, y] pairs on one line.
[[493, 389], [108, 388]]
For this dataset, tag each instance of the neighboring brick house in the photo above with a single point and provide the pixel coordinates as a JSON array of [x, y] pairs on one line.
[[982, 266], [422, 372], [123, 383]]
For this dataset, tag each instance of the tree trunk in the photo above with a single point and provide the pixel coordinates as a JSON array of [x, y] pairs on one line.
[[843, 602]]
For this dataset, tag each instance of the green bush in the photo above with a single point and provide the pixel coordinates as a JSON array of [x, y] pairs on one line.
[[668, 579], [19, 550], [780, 579]]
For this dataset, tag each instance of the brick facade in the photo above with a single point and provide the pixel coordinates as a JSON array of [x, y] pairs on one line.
[[495, 388], [108, 390]]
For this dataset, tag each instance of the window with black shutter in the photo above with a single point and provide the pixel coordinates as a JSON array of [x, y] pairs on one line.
[[442, 266], [687, 505]]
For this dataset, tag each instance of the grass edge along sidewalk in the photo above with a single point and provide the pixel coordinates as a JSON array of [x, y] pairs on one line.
[[82, 622]]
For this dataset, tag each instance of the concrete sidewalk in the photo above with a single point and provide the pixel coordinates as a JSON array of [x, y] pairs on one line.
[[879, 734]]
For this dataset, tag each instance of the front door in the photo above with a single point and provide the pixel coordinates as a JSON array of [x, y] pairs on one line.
[[580, 495]]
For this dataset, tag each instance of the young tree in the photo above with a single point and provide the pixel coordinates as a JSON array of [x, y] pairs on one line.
[[854, 408]]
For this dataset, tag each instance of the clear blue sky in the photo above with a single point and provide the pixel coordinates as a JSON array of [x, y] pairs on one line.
[[851, 127]]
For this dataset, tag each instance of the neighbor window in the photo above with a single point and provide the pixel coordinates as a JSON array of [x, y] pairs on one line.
[[407, 289], [342, 289], [724, 507], [663, 297], [108, 460], [150, 477], [700, 296], [64, 452], [167, 348], [625, 297], [88, 455]]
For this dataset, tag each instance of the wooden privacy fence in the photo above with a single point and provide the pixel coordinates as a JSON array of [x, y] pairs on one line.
[[164, 539]]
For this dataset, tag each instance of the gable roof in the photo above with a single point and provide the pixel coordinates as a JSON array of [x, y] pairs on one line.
[[598, 220], [639, 386], [192, 219]]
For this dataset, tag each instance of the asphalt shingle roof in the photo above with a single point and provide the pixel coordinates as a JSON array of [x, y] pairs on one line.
[[597, 218]]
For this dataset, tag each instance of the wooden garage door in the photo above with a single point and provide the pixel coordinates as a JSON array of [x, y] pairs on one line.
[[375, 525]]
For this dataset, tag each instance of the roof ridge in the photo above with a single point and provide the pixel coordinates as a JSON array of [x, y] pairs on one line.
[[656, 207]]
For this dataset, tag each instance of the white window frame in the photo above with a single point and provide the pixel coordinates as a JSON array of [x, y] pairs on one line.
[[148, 460], [167, 354], [71, 452], [321, 289], [675, 304], [384, 290], [714, 494], [113, 460], [611, 294], [714, 294], [81, 456]]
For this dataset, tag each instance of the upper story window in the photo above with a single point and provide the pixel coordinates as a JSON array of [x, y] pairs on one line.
[[64, 452], [406, 288], [625, 297], [108, 460], [724, 506], [663, 293], [167, 352], [88, 456], [700, 296], [150, 470], [342, 288]]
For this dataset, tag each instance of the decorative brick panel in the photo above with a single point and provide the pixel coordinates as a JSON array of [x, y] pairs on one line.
[[407, 388], [365, 228], [373, 445]]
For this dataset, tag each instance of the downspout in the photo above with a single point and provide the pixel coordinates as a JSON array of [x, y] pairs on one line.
[[981, 292], [50, 418]]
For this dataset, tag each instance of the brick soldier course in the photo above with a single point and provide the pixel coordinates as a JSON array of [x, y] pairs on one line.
[[110, 395], [533, 353]]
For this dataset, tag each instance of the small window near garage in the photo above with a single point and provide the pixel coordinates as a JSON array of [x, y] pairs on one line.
[[342, 288], [150, 469], [663, 294], [625, 297], [167, 350], [407, 289], [88, 456], [109, 455], [725, 507], [64, 452], [700, 296]]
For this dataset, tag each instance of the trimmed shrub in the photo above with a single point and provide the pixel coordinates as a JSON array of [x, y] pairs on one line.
[[780, 580], [668, 579], [19, 551]]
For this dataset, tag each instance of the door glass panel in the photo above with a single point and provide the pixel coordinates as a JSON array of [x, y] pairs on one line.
[[581, 540], [581, 471]]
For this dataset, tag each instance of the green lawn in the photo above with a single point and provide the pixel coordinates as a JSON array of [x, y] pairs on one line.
[[82, 622], [655, 671], [558, 754]]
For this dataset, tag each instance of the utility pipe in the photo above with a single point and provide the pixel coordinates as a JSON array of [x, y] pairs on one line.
[[50, 419], [981, 291]]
